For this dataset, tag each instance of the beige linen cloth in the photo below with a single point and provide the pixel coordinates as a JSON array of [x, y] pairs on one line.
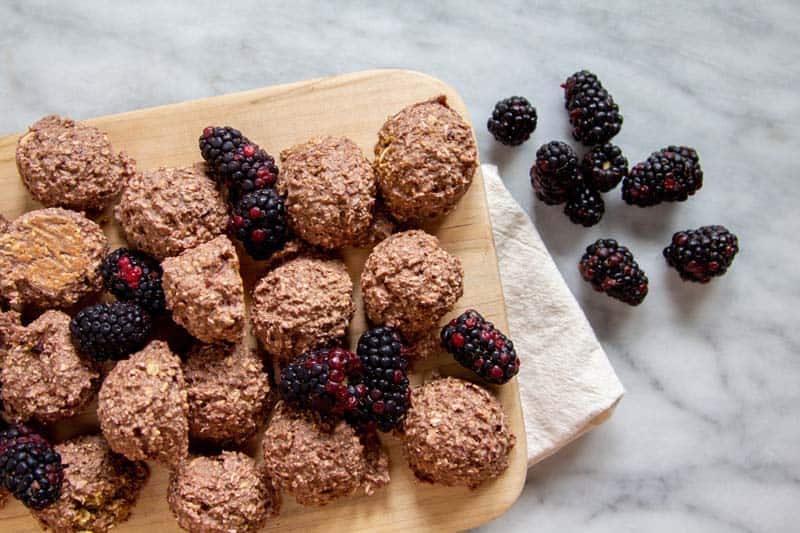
[[566, 383]]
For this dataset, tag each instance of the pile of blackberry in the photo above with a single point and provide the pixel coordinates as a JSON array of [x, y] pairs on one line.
[[477, 345], [671, 174], [611, 269], [110, 330], [512, 121], [134, 276], [593, 113], [30, 468], [703, 253]]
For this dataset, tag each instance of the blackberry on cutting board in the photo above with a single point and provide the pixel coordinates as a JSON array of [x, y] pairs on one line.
[[249, 169], [512, 121], [604, 166], [258, 220], [477, 345], [555, 172], [29, 467], [134, 276], [703, 253], [671, 174], [585, 206], [593, 113], [611, 269], [219, 143], [110, 330]]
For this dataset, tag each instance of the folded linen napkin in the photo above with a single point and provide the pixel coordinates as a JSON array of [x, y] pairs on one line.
[[567, 385]]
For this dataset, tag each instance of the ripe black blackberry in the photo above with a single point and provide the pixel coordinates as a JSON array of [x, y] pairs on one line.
[[110, 330], [219, 143], [610, 268], [703, 253], [593, 113], [670, 175], [512, 121], [384, 392], [585, 205], [604, 166], [555, 172], [29, 467], [477, 345], [134, 276], [250, 168], [258, 220]]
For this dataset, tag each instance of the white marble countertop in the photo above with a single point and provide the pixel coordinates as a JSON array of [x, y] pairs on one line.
[[708, 435]]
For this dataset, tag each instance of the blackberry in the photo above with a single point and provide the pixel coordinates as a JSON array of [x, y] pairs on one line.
[[554, 172], [319, 380], [585, 205], [134, 276], [512, 121], [611, 269], [669, 175], [30, 468], [702, 253], [110, 330], [258, 220], [604, 166], [477, 345], [250, 168], [218, 144], [593, 113], [386, 395]]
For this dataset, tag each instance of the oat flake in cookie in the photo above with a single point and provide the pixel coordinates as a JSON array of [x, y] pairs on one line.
[[330, 191], [204, 291], [143, 409], [221, 494], [168, 210], [425, 160], [100, 488], [64, 163], [318, 465], [456, 434], [409, 283], [50, 258]]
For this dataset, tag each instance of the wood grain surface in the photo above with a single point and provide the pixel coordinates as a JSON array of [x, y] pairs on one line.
[[354, 106]]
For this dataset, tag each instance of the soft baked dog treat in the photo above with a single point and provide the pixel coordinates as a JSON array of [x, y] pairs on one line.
[[99, 491], [318, 466], [456, 434], [168, 210], [228, 390], [220, 494], [409, 283], [330, 191], [43, 376], [50, 258], [64, 163], [204, 291], [425, 160], [143, 409], [303, 304]]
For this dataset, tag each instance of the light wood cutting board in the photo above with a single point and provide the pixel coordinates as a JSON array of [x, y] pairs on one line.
[[354, 106]]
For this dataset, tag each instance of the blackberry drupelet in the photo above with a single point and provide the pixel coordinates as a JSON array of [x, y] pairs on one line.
[[110, 330], [29, 467], [512, 121], [703, 253], [218, 144], [593, 113], [258, 220], [585, 205], [604, 166], [555, 172], [134, 276], [669, 175], [610, 268], [477, 345], [250, 168], [386, 395]]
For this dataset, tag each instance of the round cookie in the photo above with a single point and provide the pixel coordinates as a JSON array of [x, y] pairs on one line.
[[43, 376], [409, 282], [168, 210], [143, 409], [64, 163], [221, 494], [228, 390], [99, 491], [456, 434], [51, 258], [303, 304], [330, 191], [317, 465], [425, 160]]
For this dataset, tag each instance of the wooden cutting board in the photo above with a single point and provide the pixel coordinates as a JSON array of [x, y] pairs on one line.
[[354, 106]]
